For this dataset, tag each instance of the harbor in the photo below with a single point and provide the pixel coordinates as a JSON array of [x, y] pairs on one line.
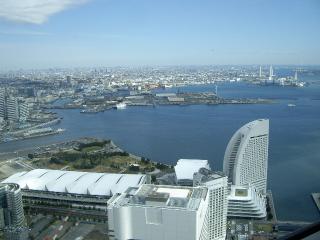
[[168, 132], [95, 105]]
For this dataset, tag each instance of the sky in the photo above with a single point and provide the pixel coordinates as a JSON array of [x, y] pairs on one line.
[[92, 33]]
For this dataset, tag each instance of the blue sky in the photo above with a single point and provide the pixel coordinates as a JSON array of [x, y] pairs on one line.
[[72, 33]]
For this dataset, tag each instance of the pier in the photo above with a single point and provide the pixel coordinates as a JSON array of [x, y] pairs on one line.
[[316, 199]]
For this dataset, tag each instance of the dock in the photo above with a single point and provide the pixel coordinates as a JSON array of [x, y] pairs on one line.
[[316, 199], [272, 207]]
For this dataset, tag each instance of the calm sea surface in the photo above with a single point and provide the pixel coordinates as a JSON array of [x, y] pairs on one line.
[[167, 133]]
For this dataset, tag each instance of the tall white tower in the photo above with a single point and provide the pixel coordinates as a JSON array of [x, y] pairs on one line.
[[296, 76], [217, 184], [260, 72], [246, 157], [271, 73]]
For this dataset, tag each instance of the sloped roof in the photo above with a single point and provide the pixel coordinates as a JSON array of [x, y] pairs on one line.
[[87, 183]]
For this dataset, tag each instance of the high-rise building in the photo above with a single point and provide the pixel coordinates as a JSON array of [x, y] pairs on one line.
[[11, 208], [12, 109], [160, 212], [2, 103], [246, 157], [11, 212], [271, 73], [217, 184], [23, 111]]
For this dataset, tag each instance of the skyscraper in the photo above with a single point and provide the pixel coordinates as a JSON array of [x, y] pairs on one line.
[[12, 109], [11, 212], [11, 209], [246, 157], [217, 184]]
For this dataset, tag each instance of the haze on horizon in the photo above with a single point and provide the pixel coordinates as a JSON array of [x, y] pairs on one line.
[[79, 33]]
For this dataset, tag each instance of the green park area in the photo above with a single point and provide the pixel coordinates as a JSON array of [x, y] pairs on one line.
[[264, 227], [241, 192], [95, 157]]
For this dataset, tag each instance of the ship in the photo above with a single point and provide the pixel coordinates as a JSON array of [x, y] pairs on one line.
[[291, 105], [121, 105]]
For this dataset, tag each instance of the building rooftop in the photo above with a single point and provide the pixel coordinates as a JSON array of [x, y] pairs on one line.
[[86, 183], [9, 186], [185, 168], [163, 196], [243, 193], [205, 175]]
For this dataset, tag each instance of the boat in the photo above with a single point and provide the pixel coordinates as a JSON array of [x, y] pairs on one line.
[[60, 130], [291, 105], [121, 105]]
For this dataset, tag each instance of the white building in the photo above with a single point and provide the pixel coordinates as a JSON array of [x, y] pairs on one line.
[[246, 157], [271, 73], [159, 212], [185, 168], [78, 183], [246, 202], [86, 193], [217, 184]]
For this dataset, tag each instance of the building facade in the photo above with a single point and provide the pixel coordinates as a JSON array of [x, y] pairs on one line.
[[3, 110], [86, 193], [217, 184], [246, 202], [246, 157], [159, 212], [11, 208], [11, 108]]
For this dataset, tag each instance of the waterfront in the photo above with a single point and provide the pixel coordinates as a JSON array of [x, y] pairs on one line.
[[167, 133]]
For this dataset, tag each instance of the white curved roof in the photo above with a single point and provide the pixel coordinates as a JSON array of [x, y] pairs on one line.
[[88, 183], [185, 168]]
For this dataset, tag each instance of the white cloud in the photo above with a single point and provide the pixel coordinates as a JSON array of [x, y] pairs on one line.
[[34, 11]]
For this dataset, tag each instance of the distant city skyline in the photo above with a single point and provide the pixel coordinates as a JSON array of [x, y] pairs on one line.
[[87, 33]]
